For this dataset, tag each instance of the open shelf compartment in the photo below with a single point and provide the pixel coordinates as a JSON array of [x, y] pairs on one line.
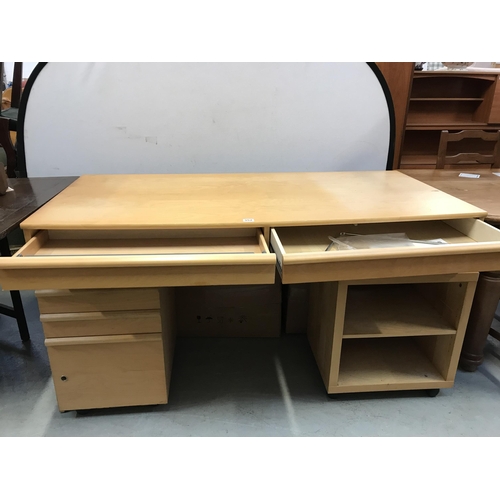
[[389, 364], [452, 85], [402, 310]]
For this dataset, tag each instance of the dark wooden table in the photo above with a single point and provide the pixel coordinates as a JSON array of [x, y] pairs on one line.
[[15, 206], [483, 192]]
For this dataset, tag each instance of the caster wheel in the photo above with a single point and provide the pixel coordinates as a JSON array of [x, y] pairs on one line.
[[332, 396], [81, 413], [432, 393]]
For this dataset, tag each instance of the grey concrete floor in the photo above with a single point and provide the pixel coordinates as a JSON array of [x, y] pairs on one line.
[[241, 387]]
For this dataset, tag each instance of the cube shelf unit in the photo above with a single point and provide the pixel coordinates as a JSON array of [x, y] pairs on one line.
[[389, 334], [449, 100]]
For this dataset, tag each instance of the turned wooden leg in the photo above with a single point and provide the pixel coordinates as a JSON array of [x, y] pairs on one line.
[[481, 316]]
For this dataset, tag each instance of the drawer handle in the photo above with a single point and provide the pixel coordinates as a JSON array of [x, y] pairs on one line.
[[63, 378]]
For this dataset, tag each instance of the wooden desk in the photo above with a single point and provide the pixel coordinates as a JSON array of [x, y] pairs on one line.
[[28, 196], [107, 254], [483, 192]]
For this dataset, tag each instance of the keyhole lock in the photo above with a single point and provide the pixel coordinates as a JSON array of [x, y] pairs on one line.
[[63, 378]]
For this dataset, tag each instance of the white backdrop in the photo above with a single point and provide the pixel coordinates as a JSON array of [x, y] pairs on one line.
[[205, 117]]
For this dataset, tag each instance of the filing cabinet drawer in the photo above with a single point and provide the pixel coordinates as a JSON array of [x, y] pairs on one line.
[[100, 323], [68, 301], [102, 372], [305, 254]]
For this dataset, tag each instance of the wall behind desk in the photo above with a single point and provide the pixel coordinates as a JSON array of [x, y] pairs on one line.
[[82, 118]]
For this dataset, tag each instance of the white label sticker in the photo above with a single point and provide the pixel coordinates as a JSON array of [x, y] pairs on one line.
[[248, 220], [470, 176]]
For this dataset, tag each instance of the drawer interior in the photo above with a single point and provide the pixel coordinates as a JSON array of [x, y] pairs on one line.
[[139, 259], [316, 238], [384, 250], [94, 243]]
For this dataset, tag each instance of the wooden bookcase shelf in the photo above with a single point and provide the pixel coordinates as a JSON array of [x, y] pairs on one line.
[[449, 84], [455, 126], [448, 100], [445, 99]]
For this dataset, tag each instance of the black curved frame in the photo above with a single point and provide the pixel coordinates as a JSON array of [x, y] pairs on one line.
[[21, 153]]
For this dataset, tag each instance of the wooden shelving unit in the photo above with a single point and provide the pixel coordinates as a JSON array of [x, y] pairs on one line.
[[389, 335], [448, 100]]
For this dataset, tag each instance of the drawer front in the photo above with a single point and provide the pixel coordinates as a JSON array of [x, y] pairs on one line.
[[68, 301], [100, 323], [108, 372], [47, 262], [470, 246]]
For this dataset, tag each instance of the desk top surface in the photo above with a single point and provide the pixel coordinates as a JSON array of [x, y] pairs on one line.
[[28, 196], [483, 192], [238, 200]]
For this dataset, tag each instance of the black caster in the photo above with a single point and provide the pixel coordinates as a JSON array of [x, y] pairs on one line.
[[332, 396], [82, 413], [432, 393]]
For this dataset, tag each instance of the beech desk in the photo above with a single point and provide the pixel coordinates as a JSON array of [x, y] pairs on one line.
[[107, 254]]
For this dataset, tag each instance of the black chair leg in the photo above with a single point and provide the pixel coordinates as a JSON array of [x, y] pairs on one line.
[[17, 304], [17, 310]]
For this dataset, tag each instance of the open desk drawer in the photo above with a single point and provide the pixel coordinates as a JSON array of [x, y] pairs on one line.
[[131, 259], [471, 246]]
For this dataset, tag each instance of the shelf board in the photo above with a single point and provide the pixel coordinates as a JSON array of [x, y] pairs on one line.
[[427, 99], [391, 311], [386, 364], [476, 75], [451, 126]]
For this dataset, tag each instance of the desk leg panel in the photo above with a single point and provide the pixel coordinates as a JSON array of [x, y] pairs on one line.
[[327, 302], [169, 330]]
